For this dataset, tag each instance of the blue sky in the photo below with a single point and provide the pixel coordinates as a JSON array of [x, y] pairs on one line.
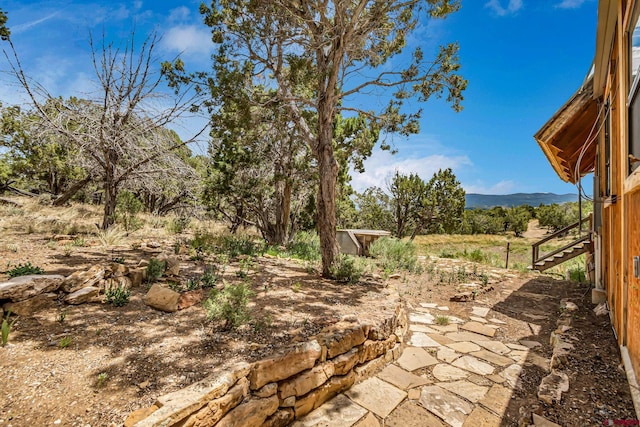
[[523, 59]]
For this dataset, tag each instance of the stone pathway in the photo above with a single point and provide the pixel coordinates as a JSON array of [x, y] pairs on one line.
[[450, 374]]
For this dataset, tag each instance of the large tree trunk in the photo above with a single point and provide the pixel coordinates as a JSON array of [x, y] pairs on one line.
[[110, 199], [328, 173]]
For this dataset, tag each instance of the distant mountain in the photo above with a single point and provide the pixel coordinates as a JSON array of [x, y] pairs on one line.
[[485, 201]]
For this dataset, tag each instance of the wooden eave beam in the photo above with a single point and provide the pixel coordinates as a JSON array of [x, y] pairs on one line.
[[607, 16]]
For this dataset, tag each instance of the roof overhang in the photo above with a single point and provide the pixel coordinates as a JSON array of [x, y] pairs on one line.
[[569, 138], [607, 16]]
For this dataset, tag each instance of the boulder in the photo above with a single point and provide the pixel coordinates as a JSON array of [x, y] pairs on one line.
[[118, 270], [162, 298], [88, 294], [191, 298], [83, 279], [25, 287], [137, 276], [172, 266], [31, 305], [116, 282]]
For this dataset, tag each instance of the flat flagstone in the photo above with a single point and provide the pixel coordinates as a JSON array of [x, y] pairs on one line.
[[339, 411], [452, 409], [446, 328], [517, 347], [478, 319], [539, 421], [470, 391], [495, 378], [482, 417], [535, 328], [454, 319], [376, 395], [497, 399], [535, 359], [464, 347], [533, 316], [480, 311], [491, 357], [369, 421], [400, 378], [466, 336], [424, 318], [497, 321], [474, 365], [440, 339], [479, 328], [443, 308], [480, 380], [447, 354], [421, 328], [494, 346], [530, 344], [413, 358], [411, 414], [445, 372], [519, 355], [511, 374], [428, 305], [420, 339]]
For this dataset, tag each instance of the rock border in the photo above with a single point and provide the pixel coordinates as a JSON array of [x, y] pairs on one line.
[[274, 392]]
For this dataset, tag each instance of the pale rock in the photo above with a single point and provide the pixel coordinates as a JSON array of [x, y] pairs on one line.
[[267, 390], [552, 386], [377, 396], [83, 295], [252, 412], [161, 298], [413, 358], [118, 270], [477, 319], [31, 305], [447, 354], [24, 287], [306, 381], [83, 279], [338, 341], [470, 391], [511, 375], [491, 357], [479, 328], [530, 344], [419, 339], [494, 346], [497, 321], [497, 399], [480, 311], [539, 421], [464, 347], [446, 405], [446, 372], [338, 412], [328, 390], [401, 378], [480, 417], [424, 318], [474, 365], [281, 367]]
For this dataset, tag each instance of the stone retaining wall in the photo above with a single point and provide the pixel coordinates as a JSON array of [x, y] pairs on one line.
[[278, 390]]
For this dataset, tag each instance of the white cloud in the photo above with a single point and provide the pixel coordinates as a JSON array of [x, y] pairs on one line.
[[512, 7], [28, 25], [502, 187], [381, 166], [570, 4], [188, 39], [179, 14]]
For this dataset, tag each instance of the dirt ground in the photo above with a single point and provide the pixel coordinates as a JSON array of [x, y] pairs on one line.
[[122, 358]]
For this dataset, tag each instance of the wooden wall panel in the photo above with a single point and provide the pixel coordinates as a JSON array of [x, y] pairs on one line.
[[633, 249]]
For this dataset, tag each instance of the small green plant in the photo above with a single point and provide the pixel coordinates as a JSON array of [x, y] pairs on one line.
[[62, 315], [127, 208], [78, 241], [296, 287], [209, 277], [118, 296], [442, 320], [231, 305], [102, 378], [193, 285], [67, 250], [246, 264], [347, 269], [6, 328], [178, 224], [484, 278], [174, 286], [155, 269], [65, 342], [24, 270]]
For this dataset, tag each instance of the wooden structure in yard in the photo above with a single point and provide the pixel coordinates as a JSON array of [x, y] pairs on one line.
[[598, 130], [357, 242]]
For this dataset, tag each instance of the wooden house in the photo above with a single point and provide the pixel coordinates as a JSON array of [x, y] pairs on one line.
[[598, 130]]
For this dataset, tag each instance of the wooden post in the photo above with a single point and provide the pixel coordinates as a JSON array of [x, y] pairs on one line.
[[507, 263]]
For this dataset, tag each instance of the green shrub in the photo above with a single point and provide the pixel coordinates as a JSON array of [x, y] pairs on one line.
[[231, 305], [127, 208], [24, 270], [346, 268], [238, 244], [305, 246], [209, 277], [65, 342], [577, 275], [393, 254], [118, 296], [178, 224], [155, 270]]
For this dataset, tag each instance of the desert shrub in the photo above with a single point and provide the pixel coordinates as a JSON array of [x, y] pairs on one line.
[[577, 275], [117, 296], [178, 224], [203, 242], [24, 270], [393, 254], [305, 246], [127, 208], [209, 277], [230, 304], [238, 244], [155, 269], [346, 268], [476, 255], [111, 236]]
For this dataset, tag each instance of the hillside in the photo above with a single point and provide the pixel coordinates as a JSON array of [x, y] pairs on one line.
[[507, 200]]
